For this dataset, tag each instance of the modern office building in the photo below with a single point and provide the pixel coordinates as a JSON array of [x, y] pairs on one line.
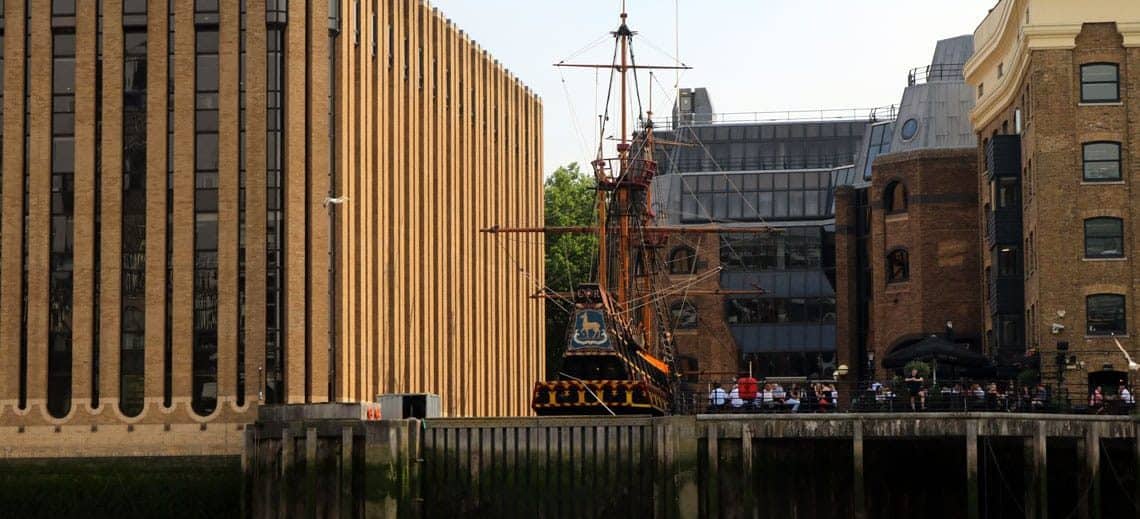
[[906, 231], [214, 205], [764, 302], [1056, 137]]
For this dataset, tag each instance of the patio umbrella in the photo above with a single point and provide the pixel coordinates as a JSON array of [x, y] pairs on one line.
[[935, 349]]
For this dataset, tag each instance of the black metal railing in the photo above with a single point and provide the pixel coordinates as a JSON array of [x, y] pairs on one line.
[[937, 72], [770, 163], [955, 396]]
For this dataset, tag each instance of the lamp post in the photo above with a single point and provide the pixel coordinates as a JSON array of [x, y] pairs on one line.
[[871, 365]]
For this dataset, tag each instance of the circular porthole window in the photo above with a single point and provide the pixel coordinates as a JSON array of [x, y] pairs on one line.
[[909, 129]]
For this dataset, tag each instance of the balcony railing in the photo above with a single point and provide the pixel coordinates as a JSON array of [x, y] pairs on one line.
[[1003, 227], [935, 73], [1003, 156]]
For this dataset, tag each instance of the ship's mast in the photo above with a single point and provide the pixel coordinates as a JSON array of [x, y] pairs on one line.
[[623, 278]]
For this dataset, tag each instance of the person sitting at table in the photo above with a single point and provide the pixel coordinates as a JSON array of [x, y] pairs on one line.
[[734, 397], [766, 397], [1126, 396], [993, 396], [717, 397], [977, 392], [1096, 399], [778, 393], [1040, 396], [792, 399]]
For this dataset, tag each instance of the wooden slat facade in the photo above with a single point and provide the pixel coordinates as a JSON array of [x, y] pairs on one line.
[[392, 291]]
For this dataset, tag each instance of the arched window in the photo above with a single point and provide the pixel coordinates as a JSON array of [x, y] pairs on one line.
[[1101, 162], [895, 198], [1100, 83], [684, 315], [1104, 314], [682, 260], [898, 266], [1104, 238]]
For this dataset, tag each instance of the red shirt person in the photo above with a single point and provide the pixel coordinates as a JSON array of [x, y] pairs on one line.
[[748, 387]]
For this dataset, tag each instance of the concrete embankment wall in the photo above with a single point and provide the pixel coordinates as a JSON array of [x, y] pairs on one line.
[[968, 466]]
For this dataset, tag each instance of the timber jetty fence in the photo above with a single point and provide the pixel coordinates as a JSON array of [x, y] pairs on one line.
[[306, 463]]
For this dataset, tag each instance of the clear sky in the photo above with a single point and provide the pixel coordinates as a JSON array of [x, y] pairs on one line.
[[752, 55]]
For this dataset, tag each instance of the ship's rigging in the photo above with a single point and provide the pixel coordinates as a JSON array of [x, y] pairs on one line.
[[620, 354]]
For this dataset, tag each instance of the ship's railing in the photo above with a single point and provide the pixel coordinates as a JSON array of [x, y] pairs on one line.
[[956, 396], [936, 72], [876, 114]]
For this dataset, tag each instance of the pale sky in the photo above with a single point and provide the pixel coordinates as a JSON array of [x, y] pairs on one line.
[[752, 55]]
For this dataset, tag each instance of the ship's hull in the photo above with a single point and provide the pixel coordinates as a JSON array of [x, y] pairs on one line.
[[578, 398]]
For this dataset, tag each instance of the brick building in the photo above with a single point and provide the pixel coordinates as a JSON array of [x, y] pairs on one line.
[[208, 206], [906, 231], [764, 302], [1057, 162]]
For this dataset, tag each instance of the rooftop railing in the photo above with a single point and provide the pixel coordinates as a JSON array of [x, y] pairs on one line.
[[771, 163], [877, 114], [938, 72]]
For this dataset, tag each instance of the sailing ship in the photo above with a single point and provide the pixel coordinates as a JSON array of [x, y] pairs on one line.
[[619, 357]]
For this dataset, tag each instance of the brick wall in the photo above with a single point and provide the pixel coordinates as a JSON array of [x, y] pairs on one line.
[[939, 231]]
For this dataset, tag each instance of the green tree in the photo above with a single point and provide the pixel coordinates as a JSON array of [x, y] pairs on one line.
[[570, 201]]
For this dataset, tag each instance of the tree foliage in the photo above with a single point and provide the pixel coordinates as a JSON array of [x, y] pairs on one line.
[[570, 202]]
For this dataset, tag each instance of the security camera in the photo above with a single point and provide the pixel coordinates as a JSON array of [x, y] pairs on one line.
[[1058, 328]]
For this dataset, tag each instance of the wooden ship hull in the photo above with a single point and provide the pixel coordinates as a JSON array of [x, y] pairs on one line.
[[586, 397]]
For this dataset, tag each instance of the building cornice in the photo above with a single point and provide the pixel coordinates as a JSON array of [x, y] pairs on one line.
[[1022, 40]]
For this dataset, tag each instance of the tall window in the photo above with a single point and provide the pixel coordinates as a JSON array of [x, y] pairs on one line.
[[1102, 161], [1100, 83], [1104, 238], [205, 344], [879, 144], [684, 315], [898, 266], [97, 266], [62, 222], [132, 354], [275, 209], [168, 310], [242, 157], [6, 352], [1009, 262], [682, 260], [895, 198], [1105, 315]]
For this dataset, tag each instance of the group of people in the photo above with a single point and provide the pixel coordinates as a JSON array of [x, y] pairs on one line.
[[963, 396], [1099, 402], [747, 394]]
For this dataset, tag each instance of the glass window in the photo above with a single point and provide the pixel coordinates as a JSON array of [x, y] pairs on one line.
[[1009, 262], [684, 315], [682, 260], [63, 7], [1104, 238], [1100, 83], [1105, 314], [1102, 161], [895, 198], [898, 266]]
